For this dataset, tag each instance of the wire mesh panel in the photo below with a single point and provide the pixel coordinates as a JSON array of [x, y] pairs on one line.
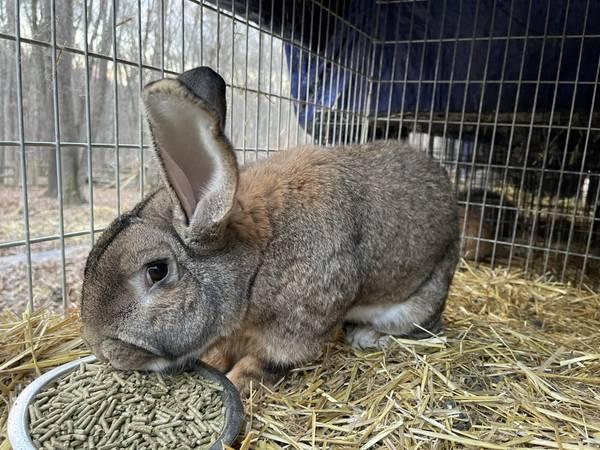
[[73, 153], [504, 94], [501, 92]]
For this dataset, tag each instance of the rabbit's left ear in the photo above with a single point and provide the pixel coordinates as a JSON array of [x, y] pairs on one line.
[[186, 117]]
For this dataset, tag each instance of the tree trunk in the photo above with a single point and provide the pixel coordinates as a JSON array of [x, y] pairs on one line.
[[40, 22], [40, 26], [69, 117], [70, 172], [52, 190], [9, 106]]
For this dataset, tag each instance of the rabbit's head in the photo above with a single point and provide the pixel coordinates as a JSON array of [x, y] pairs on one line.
[[166, 279]]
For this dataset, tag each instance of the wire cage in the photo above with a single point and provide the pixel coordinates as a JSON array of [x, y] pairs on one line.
[[503, 93]]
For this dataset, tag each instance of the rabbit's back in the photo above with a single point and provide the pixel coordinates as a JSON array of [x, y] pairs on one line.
[[408, 214], [352, 221]]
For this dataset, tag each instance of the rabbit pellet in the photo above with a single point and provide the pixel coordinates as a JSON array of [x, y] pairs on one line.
[[96, 407]]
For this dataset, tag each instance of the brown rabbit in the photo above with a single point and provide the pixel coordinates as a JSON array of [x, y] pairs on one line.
[[476, 245], [254, 268], [497, 223]]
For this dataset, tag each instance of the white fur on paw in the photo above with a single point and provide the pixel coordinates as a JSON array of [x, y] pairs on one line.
[[365, 337]]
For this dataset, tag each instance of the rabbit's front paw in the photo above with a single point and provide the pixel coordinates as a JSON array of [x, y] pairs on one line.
[[243, 372], [363, 337]]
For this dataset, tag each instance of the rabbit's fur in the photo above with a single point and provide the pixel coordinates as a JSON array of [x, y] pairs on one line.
[[265, 262]]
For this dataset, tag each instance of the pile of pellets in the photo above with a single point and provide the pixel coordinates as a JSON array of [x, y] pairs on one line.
[[96, 407]]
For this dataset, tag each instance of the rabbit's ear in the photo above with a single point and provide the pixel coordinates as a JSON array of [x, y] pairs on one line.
[[186, 117]]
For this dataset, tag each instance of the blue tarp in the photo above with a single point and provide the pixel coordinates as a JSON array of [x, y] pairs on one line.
[[444, 49], [424, 54]]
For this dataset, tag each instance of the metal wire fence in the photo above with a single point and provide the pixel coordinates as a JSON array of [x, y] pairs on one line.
[[73, 154], [505, 96]]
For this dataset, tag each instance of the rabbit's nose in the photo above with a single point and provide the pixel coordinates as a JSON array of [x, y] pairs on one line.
[[100, 357], [95, 350]]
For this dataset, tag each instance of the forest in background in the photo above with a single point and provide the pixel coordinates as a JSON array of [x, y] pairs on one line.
[[190, 35]]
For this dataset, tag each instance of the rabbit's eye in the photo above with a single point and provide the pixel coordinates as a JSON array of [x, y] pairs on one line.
[[156, 271]]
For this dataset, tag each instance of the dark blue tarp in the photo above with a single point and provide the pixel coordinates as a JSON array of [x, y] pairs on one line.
[[440, 55], [443, 32]]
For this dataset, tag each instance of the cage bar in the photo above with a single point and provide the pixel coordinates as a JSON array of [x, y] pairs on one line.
[[22, 156], [55, 98]]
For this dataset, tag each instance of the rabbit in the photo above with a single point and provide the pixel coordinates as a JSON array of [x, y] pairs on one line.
[[498, 218], [252, 269], [477, 245]]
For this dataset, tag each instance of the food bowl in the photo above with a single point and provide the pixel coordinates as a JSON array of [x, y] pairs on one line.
[[18, 418]]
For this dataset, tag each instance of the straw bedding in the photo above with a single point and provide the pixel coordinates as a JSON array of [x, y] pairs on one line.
[[518, 367]]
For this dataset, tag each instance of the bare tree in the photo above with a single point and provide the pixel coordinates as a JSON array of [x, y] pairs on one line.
[[69, 109], [209, 37], [7, 71], [41, 122]]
